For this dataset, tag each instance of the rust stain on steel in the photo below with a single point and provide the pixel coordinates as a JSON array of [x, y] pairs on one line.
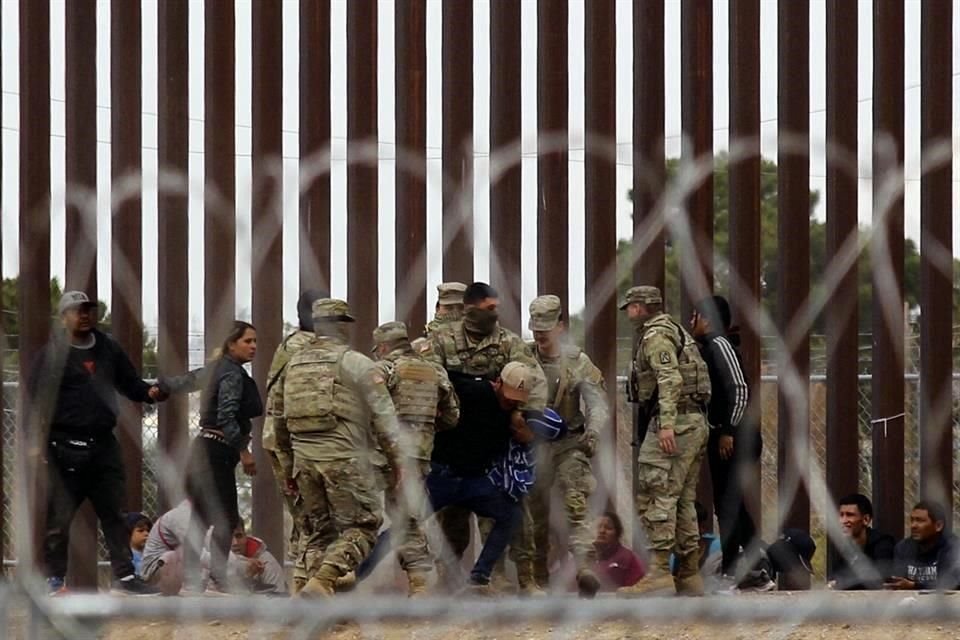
[[219, 146], [361, 170], [600, 198], [172, 128], [649, 172], [267, 240], [888, 328], [696, 53], [553, 191], [745, 256], [936, 249], [314, 139], [842, 313], [505, 203], [126, 255], [411, 106], [81, 220], [457, 140], [81, 145], [649, 168], [794, 242], [34, 241]]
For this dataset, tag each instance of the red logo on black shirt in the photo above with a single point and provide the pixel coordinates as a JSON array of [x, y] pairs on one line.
[[90, 366]]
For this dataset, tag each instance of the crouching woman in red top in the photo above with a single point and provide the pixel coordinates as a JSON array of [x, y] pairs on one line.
[[616, 565]]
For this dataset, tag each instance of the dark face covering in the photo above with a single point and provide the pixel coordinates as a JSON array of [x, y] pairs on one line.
[[479, 321]]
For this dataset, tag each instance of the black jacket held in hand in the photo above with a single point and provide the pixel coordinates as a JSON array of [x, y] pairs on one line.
[[728, 400], [74, 391]]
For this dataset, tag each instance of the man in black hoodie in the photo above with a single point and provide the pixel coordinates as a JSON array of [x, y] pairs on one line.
[[928, 558], [71, 413], [728, 405], [864, 556]]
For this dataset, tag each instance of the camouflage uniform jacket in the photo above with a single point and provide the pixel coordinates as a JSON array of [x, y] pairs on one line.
[[335, 404], [285, 350], [422, 345], [415, 382], [667, 360], [573, 377], [454, 350]]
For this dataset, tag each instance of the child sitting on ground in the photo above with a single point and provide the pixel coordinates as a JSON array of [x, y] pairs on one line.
[[139, 527], [254, 565]]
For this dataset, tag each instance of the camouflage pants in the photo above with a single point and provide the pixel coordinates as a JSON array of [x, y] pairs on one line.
[[293, 506], [567, 469], [342, 513], [405, 507], [668, 487]]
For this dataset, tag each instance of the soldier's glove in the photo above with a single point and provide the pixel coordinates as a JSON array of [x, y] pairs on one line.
[[588, 442]]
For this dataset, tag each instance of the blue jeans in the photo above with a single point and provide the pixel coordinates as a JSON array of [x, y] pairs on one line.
[[479, 495]]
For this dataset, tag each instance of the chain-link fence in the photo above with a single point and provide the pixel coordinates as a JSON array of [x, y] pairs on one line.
[[769, 481]]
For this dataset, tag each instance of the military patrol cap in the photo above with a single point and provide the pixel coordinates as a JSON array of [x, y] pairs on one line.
[[390, 331], [544, 313], [644, 294], [331, 310], [517, 378], [450, 293]]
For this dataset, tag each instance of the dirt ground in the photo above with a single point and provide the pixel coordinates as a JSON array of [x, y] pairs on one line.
[[611, 630], [605, 631]]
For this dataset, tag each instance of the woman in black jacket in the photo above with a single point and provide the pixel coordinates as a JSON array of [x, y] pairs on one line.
[[229, 402]]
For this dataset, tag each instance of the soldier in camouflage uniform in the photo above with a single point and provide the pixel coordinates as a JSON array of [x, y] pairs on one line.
[[449, 309], [335, 403], [291, 345], [572, 381], [478, 345], [670, 382], [424, 401]]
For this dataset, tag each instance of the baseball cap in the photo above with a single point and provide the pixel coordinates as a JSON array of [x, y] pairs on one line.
[[517, 379], [544, 313], [390, 331], [73, 300], [644, 294], [332, 309], [450, 293]]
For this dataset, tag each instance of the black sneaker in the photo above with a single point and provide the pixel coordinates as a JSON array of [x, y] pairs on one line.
[[133, 586], [587, 584]]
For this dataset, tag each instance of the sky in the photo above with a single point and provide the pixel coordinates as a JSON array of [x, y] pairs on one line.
[[10, 140]]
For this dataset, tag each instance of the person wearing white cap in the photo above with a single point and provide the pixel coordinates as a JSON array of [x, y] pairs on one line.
[[71, 413], [465, 459]]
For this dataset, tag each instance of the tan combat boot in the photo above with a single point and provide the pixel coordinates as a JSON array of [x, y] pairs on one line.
[[658, 577], [416, 583], [688, 580], [346, 583], [499, 583], [298, 584], [587, 584], [322, 584], [526, 584]]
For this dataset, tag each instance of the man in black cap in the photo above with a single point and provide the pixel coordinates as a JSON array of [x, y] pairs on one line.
[[71, 413]]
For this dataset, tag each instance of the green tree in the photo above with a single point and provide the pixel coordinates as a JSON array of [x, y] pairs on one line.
[[770, 253], [11, 324]]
